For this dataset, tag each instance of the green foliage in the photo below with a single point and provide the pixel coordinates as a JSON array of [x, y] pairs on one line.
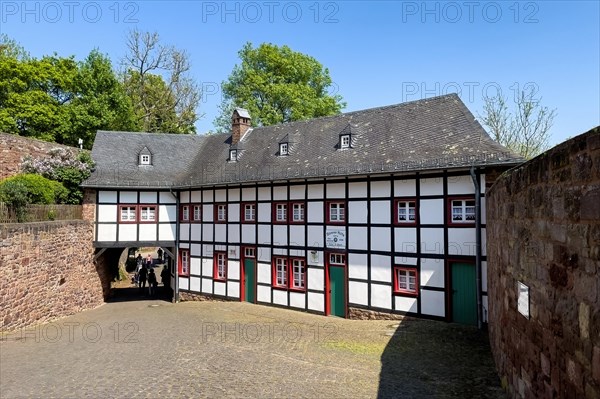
[[59, 99], [64, 166], [14, 194], [37, 190], [276, 84]]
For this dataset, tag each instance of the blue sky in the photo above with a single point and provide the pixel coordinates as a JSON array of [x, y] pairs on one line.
[[378, 52]]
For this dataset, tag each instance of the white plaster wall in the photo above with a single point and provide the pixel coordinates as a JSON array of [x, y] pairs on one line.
[[297, 236], [431, 211], [381, 238], [147, 232], [196, 196], [196, 266], [280, 297], [221, 195], [233, 269], [207, 267], [432, 241], [248, 233], [263, 273], [315, 279], [357, 212], [184, 232], [461, 241], [234, 233], [405, 304], [263, 254], [264, 193], [380, 212], [432, 186], [207, 286], [263, 294], [207, 232], [335, 190], [233, 289], [357, 238], [297, 192], [148, 197], [405, 188], [107, 213], [380, 189], [167, 213], [166, 197], [195, 284], [196, 232], [404, 260], [315, 236], [357, 266], [280, 251], [184, 283], [166, 232], [484, 276], [128, 197], [233, 213], [381, 296], [207, 213], [316, 301], [358, 293], [234, 194], [248, 194], [315, 191], [264, 212], [128, 232], [381, 268], [405, 239], [297, 300], [107, 196], [432, 274], [280, 235], [460, 185], [357, 190], [220, 288], [433, 303], [184, 197], [483, 212], [485, 308], [220, 232], [280, 193], [315, 212], [208, 196], [264, 234], [107, 232]]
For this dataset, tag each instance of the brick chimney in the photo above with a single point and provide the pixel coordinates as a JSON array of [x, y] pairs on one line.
[[240, 123]]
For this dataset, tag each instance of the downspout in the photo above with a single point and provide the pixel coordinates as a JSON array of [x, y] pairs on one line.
[[176, 263], [476, 183]]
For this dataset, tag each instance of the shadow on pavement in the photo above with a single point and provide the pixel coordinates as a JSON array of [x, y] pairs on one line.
[[436, 359]]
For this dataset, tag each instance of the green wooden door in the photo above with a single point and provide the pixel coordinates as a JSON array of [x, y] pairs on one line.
[[464, 294], [250, 280], [337, 296]]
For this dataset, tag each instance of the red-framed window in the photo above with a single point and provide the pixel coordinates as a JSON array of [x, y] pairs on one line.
[[184, 262], [336, 212], [148, 213], [280, 272], [127, 213], [297, 212], [220, 213], [197, 213], [405, 211], [220, 266], [280, 212], [461, 210], [184, 214], [248, 210], [406, 280], [298, 280]]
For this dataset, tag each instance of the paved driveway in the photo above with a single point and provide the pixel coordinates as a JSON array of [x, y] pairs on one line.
[[154, 349]]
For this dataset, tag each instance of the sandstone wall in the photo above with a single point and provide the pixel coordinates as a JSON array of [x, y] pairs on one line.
[[14, 148], [543, 226], [47, 271]]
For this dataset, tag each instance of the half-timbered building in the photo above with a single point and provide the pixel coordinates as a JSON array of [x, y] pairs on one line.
[[381, 209]]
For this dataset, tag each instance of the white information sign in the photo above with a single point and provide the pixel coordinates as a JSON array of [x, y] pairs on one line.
[[335, 237], [523, 301]]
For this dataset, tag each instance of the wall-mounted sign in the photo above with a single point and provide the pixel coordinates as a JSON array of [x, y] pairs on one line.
[[335, 237], [523, 300]]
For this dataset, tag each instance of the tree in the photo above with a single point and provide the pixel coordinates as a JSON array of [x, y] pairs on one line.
[[276, 84], [156, 79], [526, 129], [59, 99]]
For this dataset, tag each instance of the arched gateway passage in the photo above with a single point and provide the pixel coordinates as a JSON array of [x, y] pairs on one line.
[[122, 287]]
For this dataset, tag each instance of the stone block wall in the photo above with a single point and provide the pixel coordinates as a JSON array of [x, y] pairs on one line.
[[543, 226], [47, 271], [14, 148]]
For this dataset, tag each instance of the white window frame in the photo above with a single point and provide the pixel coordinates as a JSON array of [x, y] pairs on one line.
[[283, 149], [130, 213], [185, 262], [280, 280], [299, 274], [337, 259], [345, 141], [249, 212], [462, 208], [185, 213], [145, 159], [297, 212], [233, 155], [222, 212], [147, 213], [281, 212], [406, 280], [405, 208], [221, 267], [197, 213], [337, 212]]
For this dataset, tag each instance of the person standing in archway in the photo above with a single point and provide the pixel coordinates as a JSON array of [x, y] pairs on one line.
[[160, 255], [142, 275]]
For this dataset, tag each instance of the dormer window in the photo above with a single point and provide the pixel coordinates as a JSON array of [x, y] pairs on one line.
[[283, 148], [232, 155], [145, 159], [345, 141]]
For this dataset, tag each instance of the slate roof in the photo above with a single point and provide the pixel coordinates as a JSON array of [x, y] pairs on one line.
[[435, 133]]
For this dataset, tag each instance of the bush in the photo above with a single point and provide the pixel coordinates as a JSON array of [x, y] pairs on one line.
[[14, 195], [36, 189]]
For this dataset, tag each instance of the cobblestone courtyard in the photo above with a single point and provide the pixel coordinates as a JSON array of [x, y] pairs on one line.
[[155, 349]]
